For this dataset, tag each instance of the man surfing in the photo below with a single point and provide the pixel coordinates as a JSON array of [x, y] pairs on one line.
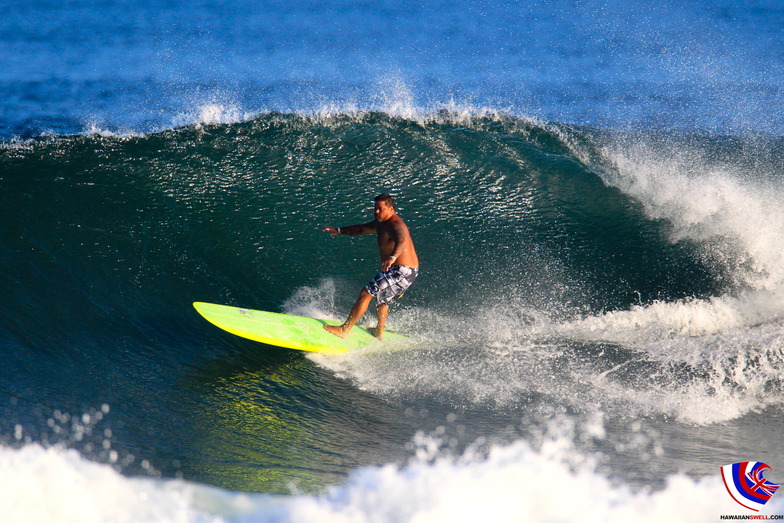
[[399, 265]]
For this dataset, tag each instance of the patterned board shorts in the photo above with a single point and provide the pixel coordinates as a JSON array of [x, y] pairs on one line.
[[386, 286]]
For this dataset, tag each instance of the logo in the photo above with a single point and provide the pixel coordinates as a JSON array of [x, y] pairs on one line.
[[746, 484]]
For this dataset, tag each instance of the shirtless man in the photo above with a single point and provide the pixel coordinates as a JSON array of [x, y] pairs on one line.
[[399, 265]]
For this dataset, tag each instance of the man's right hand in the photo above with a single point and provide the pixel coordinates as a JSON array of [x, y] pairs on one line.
[[333, 231]]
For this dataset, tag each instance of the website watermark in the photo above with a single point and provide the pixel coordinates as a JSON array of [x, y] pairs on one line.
[[746, 484], [756, 517]]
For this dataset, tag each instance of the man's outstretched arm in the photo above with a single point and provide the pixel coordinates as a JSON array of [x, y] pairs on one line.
[[353, 230]]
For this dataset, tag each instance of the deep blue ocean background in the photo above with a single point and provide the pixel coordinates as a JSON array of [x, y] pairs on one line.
[[595, 191], [146, 66]]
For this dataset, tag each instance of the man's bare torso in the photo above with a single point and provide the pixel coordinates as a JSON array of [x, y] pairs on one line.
[[390, 233]]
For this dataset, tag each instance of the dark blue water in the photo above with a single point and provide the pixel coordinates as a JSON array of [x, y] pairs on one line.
[[595, 194], [142, 66]]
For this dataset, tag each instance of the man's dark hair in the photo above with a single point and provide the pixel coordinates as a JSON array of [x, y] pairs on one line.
[[386, 199]]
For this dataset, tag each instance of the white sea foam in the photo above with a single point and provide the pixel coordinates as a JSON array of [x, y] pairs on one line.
[[731, 210], [729, 206], [714, 360], [680, 359], [394, 95], [97, 129], [691, 317], [209, 113], [503, 483], [54, 484], [212, 113]]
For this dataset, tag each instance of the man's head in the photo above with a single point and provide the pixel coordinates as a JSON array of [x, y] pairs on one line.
[[384, 207]]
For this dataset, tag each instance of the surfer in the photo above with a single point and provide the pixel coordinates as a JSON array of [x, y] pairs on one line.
[[399, 265]]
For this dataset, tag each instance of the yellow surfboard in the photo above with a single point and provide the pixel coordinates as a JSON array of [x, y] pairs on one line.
[[287, 330]]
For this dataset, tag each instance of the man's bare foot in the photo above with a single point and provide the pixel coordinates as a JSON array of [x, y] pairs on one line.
[[338, 330], [376, 332]]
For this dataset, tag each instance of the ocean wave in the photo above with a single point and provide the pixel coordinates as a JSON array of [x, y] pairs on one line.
[[555, 278]]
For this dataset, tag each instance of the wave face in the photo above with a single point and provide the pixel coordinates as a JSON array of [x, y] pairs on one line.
[[567, 272], [594, 188]]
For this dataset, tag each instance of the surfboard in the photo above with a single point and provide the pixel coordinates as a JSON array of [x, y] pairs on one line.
[[289, 331]]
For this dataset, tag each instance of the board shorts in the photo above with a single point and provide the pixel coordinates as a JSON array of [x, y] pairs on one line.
[[386, 286]]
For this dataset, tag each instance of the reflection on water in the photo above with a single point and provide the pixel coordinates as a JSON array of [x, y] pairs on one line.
[[285, 426]]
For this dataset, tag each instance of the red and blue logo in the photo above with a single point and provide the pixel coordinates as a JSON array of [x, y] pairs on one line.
[[746, 484]]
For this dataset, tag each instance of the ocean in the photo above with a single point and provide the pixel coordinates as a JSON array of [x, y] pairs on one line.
[[595, 192]]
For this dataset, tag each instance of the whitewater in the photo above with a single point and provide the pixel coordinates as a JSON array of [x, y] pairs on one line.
[[429, 488]]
